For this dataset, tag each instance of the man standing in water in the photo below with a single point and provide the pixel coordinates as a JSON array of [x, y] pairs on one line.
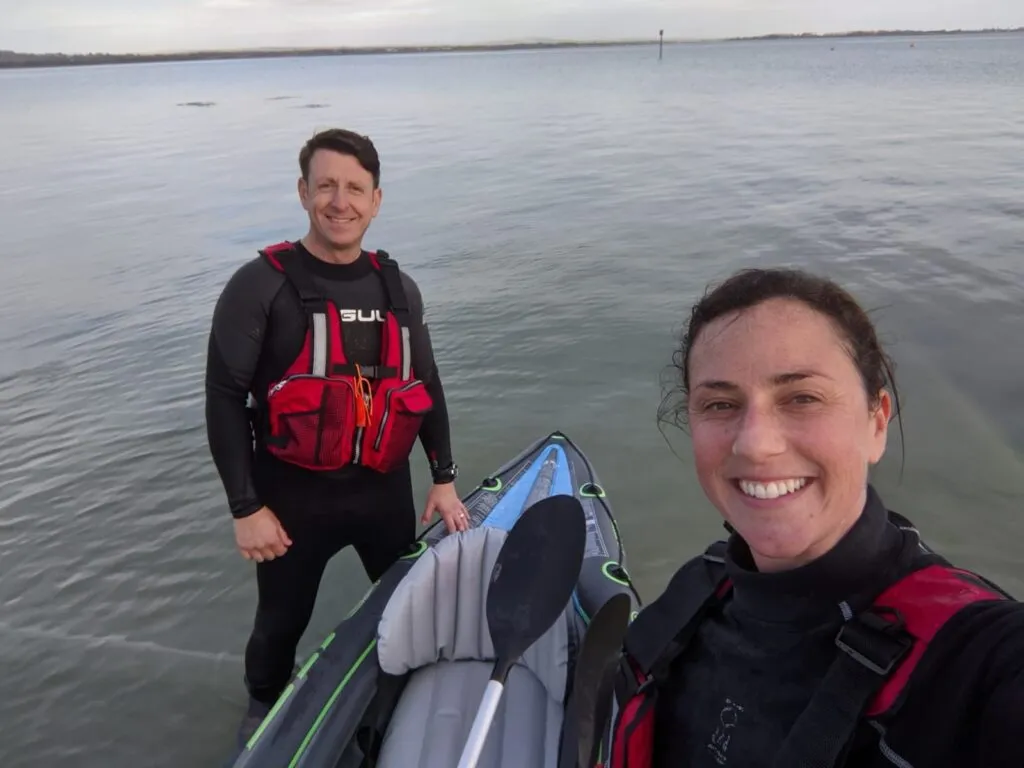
[[330, 342]]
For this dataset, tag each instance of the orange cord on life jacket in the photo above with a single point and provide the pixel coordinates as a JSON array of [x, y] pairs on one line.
[[364, 403]]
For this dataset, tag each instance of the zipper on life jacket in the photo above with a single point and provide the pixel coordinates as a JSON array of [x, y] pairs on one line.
[[387, 411], [357, 445], [284, 382]]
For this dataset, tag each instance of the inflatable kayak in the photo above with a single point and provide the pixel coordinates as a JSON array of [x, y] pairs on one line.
[[400, 679]]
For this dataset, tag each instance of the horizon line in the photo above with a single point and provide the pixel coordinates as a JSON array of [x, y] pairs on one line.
[[12, 58]]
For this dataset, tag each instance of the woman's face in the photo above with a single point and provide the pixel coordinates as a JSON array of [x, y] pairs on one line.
[[783, 433]]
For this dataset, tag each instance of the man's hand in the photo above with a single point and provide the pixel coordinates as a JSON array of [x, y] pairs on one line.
[[444, 500], [260, 536]]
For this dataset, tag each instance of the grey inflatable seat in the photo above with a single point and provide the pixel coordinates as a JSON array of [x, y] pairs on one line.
[[435, 626]]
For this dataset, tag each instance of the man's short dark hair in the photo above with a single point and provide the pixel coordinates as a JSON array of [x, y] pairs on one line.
[[347, 143]]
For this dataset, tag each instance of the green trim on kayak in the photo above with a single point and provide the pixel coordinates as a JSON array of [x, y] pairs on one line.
[[330, 703], [421, 547], [309, 663], [270, 716]]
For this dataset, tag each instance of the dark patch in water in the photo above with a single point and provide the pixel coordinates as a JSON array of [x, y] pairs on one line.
[[197, 104], [1014, 211], [281, 98], [313, 106]]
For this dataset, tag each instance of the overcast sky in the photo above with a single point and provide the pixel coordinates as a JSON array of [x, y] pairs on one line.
[[155, 25]]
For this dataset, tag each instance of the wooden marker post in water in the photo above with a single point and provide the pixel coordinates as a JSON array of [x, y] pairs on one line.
[[661, 42]]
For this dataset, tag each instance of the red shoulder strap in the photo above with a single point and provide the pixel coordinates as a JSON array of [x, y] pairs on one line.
[[271, 252], [926, 599]]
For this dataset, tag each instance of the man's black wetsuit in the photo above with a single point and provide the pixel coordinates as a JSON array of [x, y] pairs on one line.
[[258, 329]]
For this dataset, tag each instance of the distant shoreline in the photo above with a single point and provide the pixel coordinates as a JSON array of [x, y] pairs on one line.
[[15, 60], [878, 33]]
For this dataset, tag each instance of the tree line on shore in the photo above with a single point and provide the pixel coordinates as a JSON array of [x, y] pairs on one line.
[[14, 59]]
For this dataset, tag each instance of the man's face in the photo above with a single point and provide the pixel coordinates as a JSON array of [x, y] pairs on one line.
[[340, 198]]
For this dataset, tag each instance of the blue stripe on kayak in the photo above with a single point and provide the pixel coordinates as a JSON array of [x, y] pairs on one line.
[[579, 607], [548, 475]]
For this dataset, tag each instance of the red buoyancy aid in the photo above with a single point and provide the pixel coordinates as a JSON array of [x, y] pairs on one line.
[[325, 412], [881, 647]]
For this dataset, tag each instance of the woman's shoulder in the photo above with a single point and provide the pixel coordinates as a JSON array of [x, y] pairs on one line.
[[986, 637], [964, 702]]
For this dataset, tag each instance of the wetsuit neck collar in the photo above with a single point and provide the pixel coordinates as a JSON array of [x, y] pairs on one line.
[[851, 572], [361, 267]]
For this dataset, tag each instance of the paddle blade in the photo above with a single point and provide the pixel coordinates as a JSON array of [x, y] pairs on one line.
[[534, 576], [594, 678]]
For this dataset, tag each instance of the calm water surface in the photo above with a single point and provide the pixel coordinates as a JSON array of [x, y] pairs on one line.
[[560, 210]]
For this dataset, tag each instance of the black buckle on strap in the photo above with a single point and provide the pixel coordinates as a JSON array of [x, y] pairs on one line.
[[875, 641], [366, 371]]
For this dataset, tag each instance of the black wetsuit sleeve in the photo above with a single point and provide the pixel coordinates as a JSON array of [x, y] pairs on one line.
[[1002, 721], [1001, 717], [233, 352], [435, 433]]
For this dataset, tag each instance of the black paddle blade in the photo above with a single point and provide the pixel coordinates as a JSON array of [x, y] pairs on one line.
[[534, 577], [594, 679]]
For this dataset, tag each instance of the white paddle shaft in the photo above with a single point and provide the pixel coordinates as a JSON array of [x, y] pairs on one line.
[[481, 725]]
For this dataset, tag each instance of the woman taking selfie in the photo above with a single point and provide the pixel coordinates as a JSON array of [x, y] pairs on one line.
[[823, 632]]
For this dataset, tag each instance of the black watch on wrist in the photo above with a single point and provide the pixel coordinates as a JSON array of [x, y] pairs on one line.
[[445, 474]]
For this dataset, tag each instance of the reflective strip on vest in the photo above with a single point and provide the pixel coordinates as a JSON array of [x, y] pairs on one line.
[[406, 354], [319, 344]]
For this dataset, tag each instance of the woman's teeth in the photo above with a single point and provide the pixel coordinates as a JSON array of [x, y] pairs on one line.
[[772, 490]]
